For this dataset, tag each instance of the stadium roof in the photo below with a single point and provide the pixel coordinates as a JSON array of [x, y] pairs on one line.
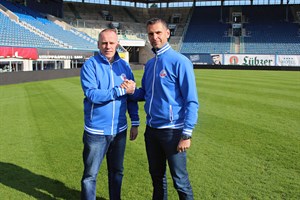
[[244, 1], [240, 2], [194, 2]]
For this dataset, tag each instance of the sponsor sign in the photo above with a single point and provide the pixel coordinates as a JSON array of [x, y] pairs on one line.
[[135, 43], [288, 60], [216, 59], [62, 57], [200, 59], [17, 52], [244, 59], [249, 60]]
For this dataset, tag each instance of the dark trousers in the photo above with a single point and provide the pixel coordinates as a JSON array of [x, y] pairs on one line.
[[161, 147], [95, 148]]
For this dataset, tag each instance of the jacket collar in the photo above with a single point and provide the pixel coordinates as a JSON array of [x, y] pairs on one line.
[[161, 50], [104, 59]]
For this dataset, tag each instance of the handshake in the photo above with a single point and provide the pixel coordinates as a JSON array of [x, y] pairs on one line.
[[129, 85]]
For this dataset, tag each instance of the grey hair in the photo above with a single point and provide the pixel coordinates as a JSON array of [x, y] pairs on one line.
[[105, 30]]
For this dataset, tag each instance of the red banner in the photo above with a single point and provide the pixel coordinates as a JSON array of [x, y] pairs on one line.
[[17, 52]]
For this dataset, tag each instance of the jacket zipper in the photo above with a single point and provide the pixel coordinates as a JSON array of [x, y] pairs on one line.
[[171, 113], [113, 103], [92, 111], [154, 70]]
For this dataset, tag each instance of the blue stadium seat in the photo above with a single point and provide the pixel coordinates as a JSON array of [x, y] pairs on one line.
[[205, 33], [272, 32], [18, 35]]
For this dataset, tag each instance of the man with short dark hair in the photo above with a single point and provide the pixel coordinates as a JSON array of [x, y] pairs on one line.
[[171, 105]]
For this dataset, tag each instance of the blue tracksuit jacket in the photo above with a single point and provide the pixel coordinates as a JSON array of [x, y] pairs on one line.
[[105, 103], [169, 91]]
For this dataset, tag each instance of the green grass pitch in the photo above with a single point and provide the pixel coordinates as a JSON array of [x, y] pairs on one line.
[[246, 144]]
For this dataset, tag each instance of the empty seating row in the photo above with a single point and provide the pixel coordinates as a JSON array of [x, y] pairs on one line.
[[205, 33], [57, 36], [12, 34], [272, 31]]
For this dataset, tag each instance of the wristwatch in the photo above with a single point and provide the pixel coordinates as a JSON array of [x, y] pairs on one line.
[[185, 137]]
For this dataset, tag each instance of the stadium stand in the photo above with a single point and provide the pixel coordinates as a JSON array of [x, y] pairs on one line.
[[33, 30], [13, 34], [272, 30], [266, 30], [131, 20], [206, 32]]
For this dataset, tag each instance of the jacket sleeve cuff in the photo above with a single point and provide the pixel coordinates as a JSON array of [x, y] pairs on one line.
[[120, 91], [135, 123], [187, 131]]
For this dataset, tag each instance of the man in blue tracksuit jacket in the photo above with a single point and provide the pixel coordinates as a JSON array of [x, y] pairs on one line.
[[105, 124], [171, 105]]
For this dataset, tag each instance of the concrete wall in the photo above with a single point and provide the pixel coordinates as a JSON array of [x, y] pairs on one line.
[[29, 76], [145, 54]]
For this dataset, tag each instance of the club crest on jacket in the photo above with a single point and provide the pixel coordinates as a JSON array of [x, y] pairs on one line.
[[123, 77], [163, 73]]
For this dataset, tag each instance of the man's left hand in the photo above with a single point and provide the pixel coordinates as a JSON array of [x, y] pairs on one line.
[[183, 145], [133, 132]]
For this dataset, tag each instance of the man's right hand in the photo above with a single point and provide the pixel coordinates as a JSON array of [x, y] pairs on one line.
[[129, 85]]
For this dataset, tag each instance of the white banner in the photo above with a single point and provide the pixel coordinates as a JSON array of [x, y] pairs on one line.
[[288, 60], [249, 60]]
